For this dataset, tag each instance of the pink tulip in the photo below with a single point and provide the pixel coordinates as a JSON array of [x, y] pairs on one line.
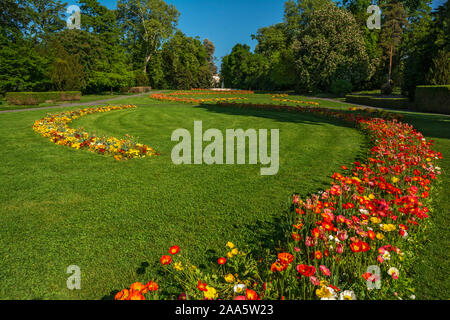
[[314, 280], [325, 270], [380, 259]]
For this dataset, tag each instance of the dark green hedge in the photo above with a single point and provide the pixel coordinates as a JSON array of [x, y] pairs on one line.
[[433, 99], [33, 98], [393, 103]]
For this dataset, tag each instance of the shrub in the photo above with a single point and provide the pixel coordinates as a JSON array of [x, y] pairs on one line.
[[70, 96], [140, 89], [439, 73], [142, 80], [378, 102], [433, 99], [34, 98], [386, 89], [124, 89], [341, 87]]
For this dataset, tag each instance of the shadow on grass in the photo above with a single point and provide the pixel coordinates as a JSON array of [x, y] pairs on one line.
[[284, 116], [281, 116], [272, 234], [267, 236], [431, 125]]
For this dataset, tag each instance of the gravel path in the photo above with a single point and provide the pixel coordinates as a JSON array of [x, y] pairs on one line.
[[76, 104]]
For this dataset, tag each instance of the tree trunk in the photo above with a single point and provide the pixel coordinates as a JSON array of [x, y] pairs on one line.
[[390, 64], [147, 59]]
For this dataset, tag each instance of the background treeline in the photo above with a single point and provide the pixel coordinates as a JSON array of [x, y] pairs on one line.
[[326, 47], [136, 45]]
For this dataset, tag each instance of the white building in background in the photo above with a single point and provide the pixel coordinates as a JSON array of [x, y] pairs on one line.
[[216, 81]]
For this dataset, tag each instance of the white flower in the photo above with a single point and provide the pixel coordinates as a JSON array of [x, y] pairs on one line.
[[347, 295], [386, 255], [393, 270], [413, 297], [238, 288], [363, 211]]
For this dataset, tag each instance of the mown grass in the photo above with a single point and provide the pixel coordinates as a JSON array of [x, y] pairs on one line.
[[113, 219], [431, 270]]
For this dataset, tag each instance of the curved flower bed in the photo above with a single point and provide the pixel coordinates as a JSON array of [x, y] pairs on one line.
[[313, 103], [170, 97], [208, 92], [56, 128], [355, 240]]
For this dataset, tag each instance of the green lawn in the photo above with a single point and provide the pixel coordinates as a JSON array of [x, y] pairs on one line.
[[61, 206]]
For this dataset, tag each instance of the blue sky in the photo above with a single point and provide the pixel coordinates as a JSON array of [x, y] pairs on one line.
[[226, 22]]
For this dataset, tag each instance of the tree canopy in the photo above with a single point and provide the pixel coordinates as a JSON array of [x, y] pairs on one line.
[[321, 43], [136, 44]]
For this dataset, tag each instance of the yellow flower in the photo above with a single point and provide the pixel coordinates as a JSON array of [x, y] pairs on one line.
[[380, 236], [76, 145], [234, 251], [323, 283], [210, 293], [375, 220], [230, 245], [395, 179], [229, 278], [371, 196], [177, 266], [388, 227], [324, 292]]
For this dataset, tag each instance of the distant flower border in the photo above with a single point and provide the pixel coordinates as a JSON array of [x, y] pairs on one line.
[[55, 127], [371, 218]]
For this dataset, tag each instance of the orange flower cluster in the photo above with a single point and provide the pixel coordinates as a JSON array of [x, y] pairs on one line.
[[170, 97], [283, 262], [209, 92], [313, 103], [137, 291]]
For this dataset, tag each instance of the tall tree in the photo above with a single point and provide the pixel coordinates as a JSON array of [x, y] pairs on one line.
[[271, 39], [147, 24], [210, 49], [100, 20], [243, 69], [46, 18], [66, 72], [185, 63], [330, 47], [13, 18], [394, 23]]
